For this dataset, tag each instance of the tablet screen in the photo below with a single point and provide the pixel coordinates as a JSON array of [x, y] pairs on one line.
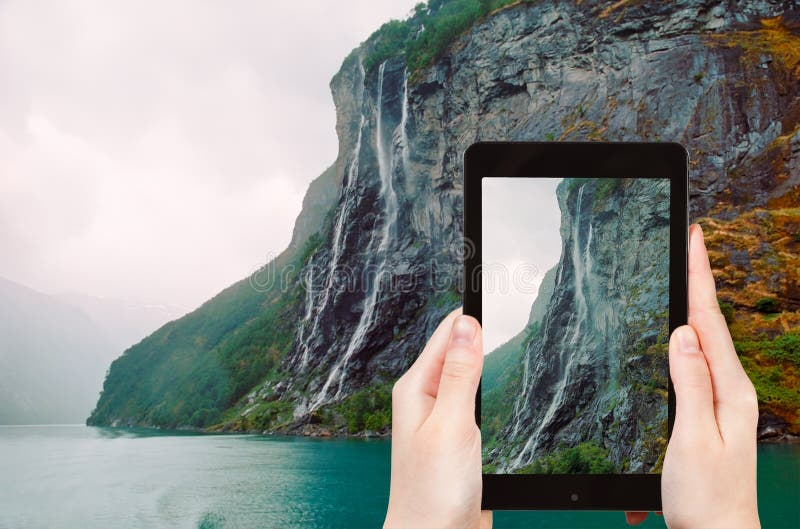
[[575, 280]]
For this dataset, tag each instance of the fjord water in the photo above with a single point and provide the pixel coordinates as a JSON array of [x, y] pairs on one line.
[[79, 477]]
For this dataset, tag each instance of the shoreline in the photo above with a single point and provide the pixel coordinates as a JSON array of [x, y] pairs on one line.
[[766, 437]]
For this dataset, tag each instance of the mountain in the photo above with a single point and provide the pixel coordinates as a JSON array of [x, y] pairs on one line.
[[595, 373], [55, 350], [52, 358], [380, 243]]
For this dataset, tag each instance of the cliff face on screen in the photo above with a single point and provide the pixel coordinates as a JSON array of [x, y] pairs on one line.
[[591, 395], [266, 355]]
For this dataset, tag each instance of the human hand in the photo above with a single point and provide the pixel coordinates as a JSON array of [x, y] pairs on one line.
[[709, 477], [436, 444]]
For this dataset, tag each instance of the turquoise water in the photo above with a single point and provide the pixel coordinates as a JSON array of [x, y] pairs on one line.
[[79, 477]]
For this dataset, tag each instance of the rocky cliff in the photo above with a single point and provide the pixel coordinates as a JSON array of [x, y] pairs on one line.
[[596, 371], [383, 262], [543, 295]]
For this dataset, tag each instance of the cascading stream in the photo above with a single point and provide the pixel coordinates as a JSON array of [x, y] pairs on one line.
[[338, 242], [403, 123], [338, 231], [581, 262], [518, 404], [308, 281], [338, 374], [309, 284], [521, 410]]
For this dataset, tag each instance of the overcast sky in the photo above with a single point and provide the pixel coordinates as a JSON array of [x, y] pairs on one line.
[[521, 241], [159, 151]]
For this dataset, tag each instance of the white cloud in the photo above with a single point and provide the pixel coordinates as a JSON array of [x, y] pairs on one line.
[[160, 150], [520, 232]]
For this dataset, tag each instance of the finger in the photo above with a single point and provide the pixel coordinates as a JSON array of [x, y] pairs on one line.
[[414, 393], [486, 520], [461, 372], [707, 319], [635, 518], [733, 393], [691, 380], [425, 373]]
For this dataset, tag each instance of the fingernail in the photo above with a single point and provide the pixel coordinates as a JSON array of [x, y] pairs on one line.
[[687, 340], [463, 332], [695, 231]]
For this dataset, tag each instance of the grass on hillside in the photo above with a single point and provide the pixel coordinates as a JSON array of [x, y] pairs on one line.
[[429, 31], [753, 292]]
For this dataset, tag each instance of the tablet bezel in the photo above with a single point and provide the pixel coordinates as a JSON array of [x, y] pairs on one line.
[[630, 492]]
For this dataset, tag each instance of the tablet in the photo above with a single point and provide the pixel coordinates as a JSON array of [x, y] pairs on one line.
[[575, 266]]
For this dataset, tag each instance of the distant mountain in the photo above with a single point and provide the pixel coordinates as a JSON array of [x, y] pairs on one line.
[[380, 236], [55, 350], [52, 358]]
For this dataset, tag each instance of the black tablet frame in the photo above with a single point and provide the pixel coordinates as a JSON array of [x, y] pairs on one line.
[[629, 492]]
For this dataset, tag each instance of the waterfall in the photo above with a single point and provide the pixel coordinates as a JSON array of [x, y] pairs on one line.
[[347, 197], [581, 263], [521, 405], [338, 374], [338, 241], [587, 255], [521, 398], [403, 122], [386, 168], [308, 280]]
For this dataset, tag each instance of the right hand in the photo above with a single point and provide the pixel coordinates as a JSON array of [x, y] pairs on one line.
[[709, 477]]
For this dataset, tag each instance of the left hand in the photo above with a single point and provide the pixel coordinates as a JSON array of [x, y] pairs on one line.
[[436, 444]]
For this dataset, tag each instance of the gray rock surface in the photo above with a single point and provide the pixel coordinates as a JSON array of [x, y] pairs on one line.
[[597, 372], [550, 70]]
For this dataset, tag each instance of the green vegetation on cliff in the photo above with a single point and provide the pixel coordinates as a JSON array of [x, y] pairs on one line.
[[429, 31], [586, 458], [191, 370], [500, 383], [756, 299], [368, 409], [774, 368]]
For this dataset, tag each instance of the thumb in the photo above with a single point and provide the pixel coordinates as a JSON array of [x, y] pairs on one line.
[[461, 372], [486, 520], [691, 380]]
